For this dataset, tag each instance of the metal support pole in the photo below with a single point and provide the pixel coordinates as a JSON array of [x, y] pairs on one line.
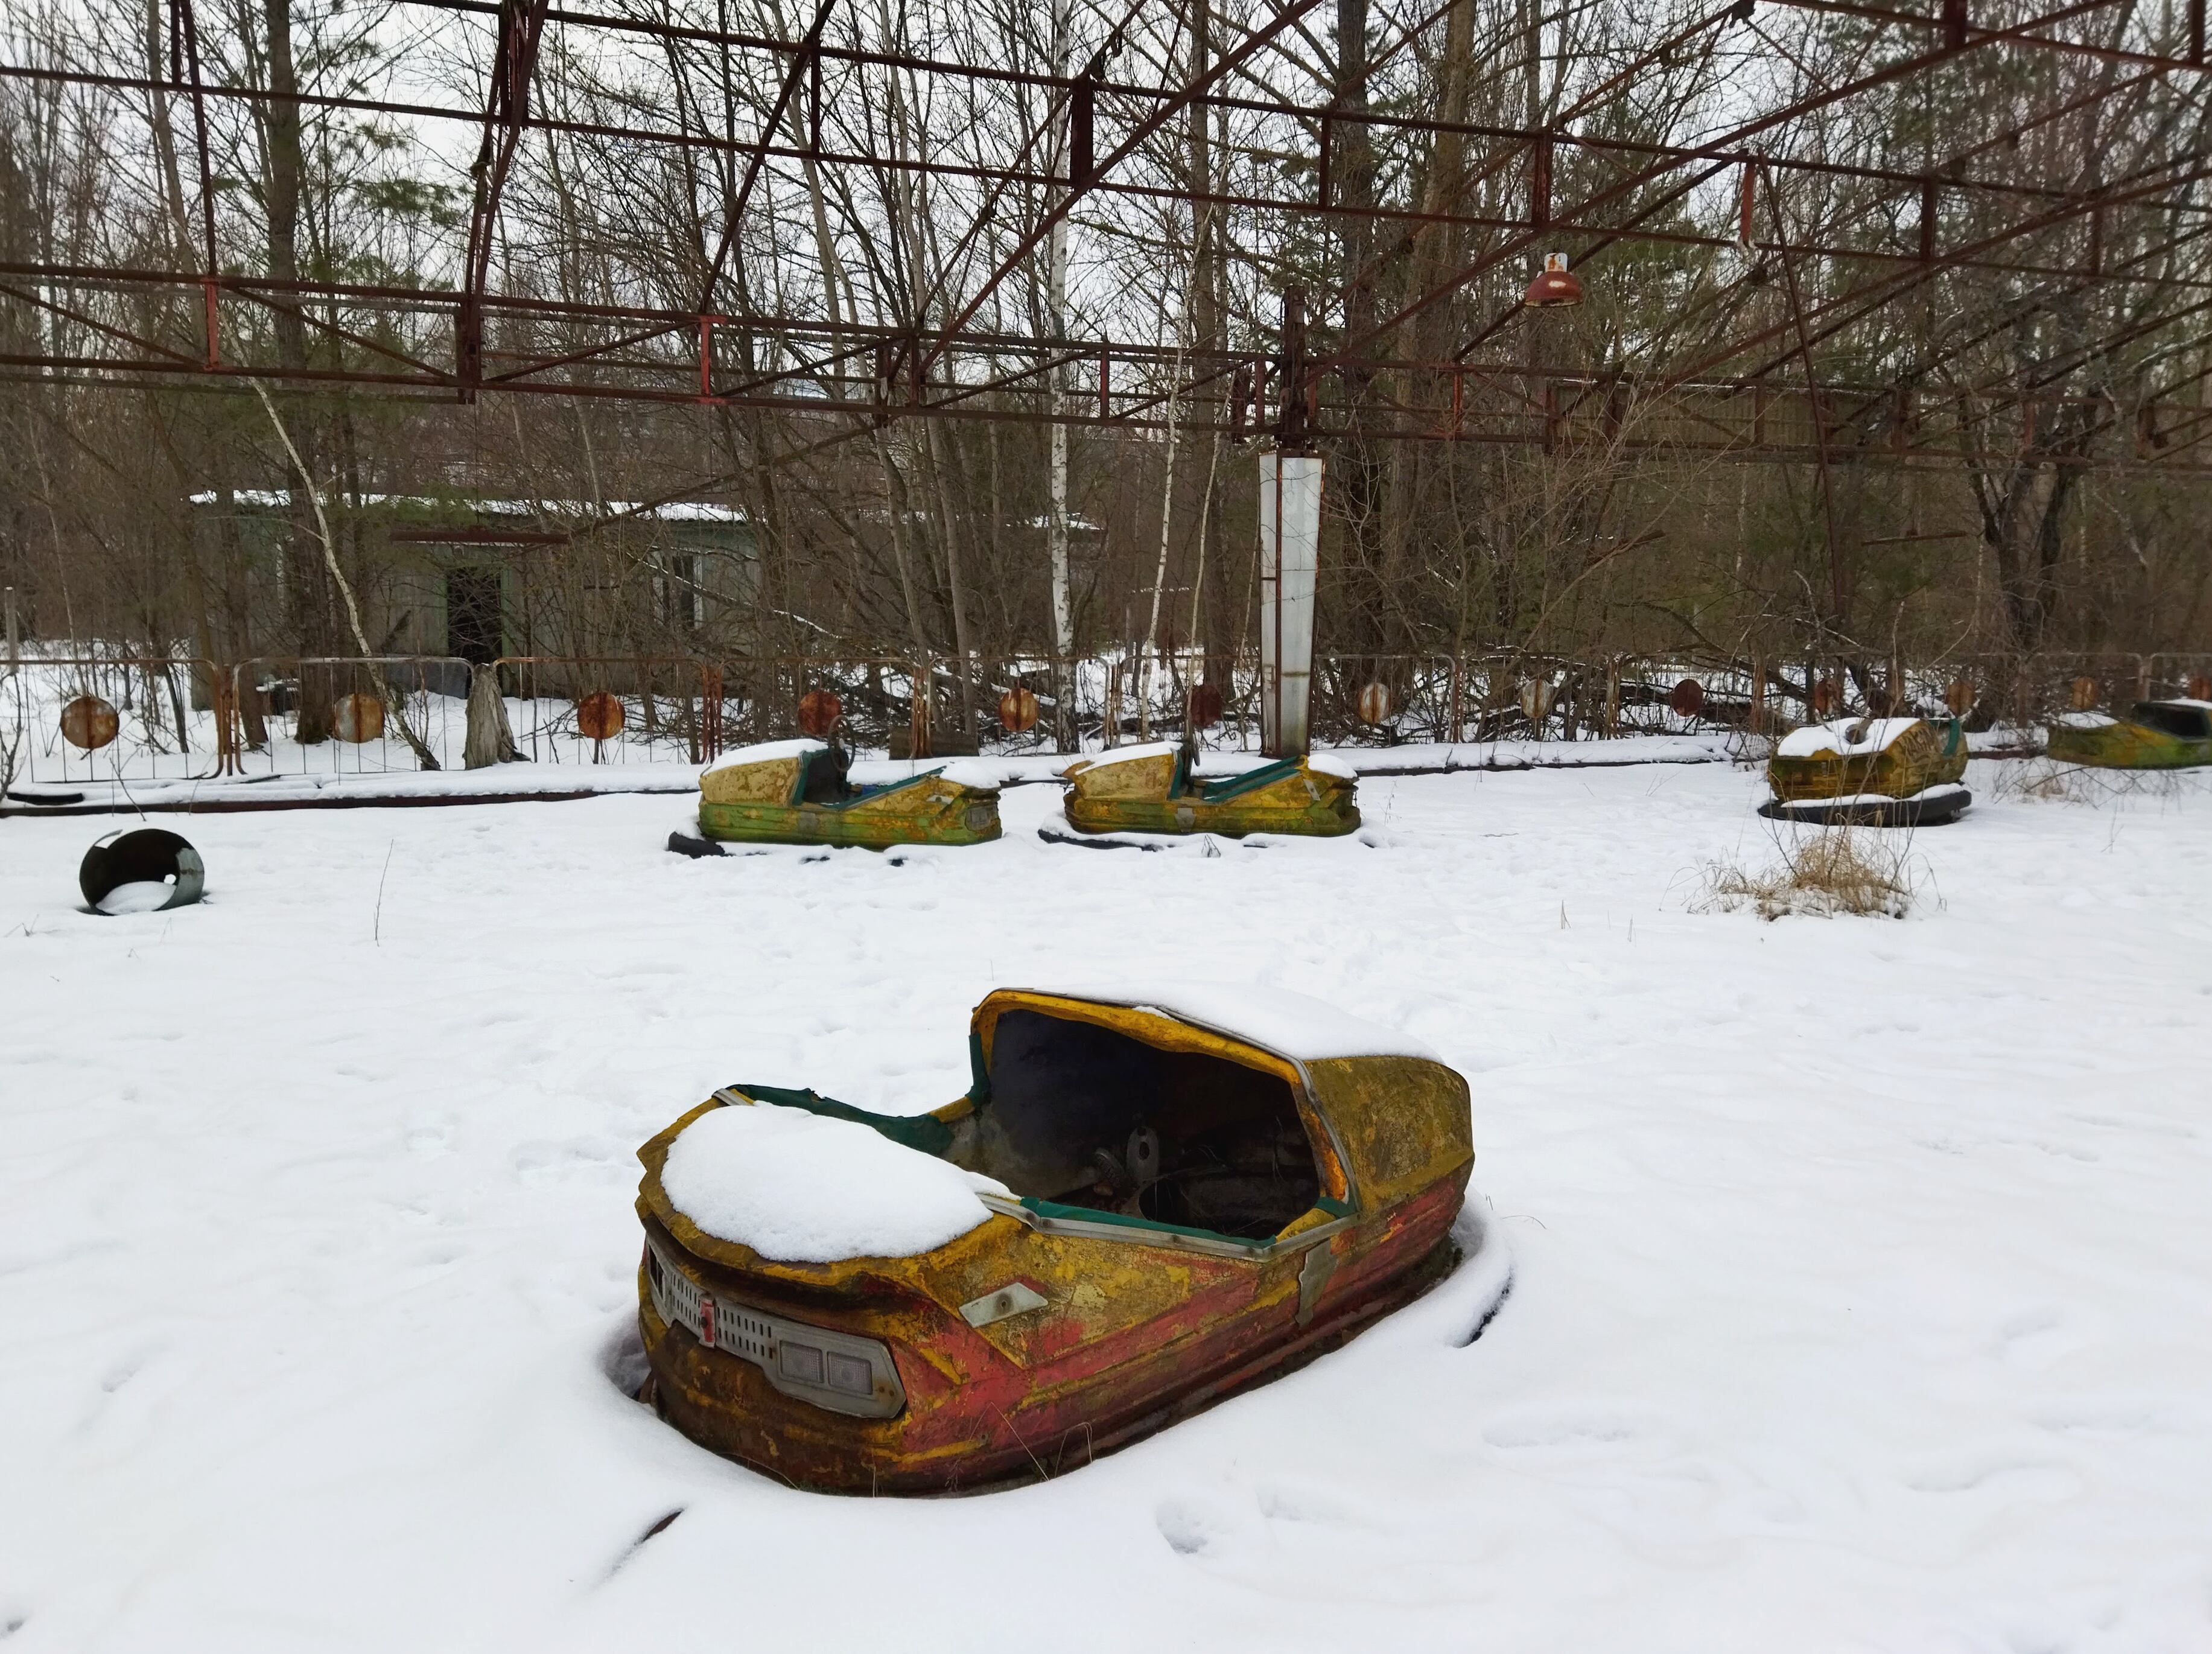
[[1290, 539]]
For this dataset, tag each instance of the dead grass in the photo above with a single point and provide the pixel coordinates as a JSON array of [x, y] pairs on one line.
[[2046, 781], [1866, 871]]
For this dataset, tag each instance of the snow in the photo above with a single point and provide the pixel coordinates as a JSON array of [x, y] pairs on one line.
[[1322, 763], [318, 1263], [141, 896], [1941, 790], [668, 512], [767, 752], [803, 1189], [980, 773], [2087, 719], [1844, 738], [1130, 754], [1295, 1025]]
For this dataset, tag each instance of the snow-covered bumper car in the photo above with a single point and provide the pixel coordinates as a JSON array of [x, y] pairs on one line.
[[1144, 1202], [796, 793], [1152, 789], [2155, 735], [1870, 772]]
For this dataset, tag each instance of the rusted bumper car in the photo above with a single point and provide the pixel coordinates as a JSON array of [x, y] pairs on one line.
[[1177, 1194], [797, 792], [1156, 789], [1870, 772], [2155, 735]]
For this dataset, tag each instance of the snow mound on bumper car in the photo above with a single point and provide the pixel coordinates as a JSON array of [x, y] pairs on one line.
[[801, 1189]]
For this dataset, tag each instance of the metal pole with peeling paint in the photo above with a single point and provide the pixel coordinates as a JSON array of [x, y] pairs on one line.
[[1290, 545]]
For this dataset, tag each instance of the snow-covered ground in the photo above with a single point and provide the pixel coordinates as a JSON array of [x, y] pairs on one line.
[[1861, 1266]]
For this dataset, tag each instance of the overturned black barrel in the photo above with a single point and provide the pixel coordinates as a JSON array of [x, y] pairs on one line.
[[127, 871]]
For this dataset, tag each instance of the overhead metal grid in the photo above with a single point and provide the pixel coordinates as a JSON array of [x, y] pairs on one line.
[[1803, 331]]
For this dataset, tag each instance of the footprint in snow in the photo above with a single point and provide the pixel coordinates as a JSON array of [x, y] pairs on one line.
[[2008, 1475], [1191, 1529], [1594, 1428]]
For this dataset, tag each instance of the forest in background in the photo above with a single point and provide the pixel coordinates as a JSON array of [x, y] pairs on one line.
[[2057, 533]]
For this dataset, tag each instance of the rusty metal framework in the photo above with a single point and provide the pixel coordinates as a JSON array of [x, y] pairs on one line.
[[1808, 331]]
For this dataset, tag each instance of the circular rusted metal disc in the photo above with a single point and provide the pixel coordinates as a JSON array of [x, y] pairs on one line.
[[2083, 693], [1827, 695], [1958, 695], [1536, 700], [90, 723], [598, 716], [1204, 707], [1686, 699], [1375, 704], [357, 718], [2200, 687], [818, 713], [1018, 709]]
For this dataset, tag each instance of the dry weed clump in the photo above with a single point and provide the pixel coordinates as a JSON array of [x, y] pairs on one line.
[[2046, 781], [1835, 870]]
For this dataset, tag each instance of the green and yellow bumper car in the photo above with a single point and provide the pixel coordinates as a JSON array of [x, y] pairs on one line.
[[1152, 789], [2155, 735], [796, 793], [1870, 772]]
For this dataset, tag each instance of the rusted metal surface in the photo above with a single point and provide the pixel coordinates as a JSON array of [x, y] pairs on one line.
[[2083, 693], [1375, 703], [1686, 699], [599, 716], [1920, 758], [90, 723], [1205, 705], [769, 801], [2153, 735], [1556, 287], [1155, 794], [1119, 1334], [357, 718], [1638, 195], [819, 711], [1019, 709]]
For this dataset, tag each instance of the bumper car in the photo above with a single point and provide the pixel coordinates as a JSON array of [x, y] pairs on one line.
[[2155, 735], [796, 793], [1145, 1202], [1870, 772], [1153, 789]]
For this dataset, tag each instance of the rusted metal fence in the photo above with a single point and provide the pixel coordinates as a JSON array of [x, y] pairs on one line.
[[86, 717]]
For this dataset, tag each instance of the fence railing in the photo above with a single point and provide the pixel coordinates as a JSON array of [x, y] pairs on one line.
[[85, 718]]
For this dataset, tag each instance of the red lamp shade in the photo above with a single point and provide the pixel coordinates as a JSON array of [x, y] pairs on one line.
[[1555, 288]]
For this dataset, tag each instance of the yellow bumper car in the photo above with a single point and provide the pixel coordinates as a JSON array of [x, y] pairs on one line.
[[796, 793], [1145, 1202], [1872, 772], [1153, 789]]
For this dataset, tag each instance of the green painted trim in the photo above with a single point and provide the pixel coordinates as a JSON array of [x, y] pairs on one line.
[[925, 1131], [1123, 1221], [1334, 1207]]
